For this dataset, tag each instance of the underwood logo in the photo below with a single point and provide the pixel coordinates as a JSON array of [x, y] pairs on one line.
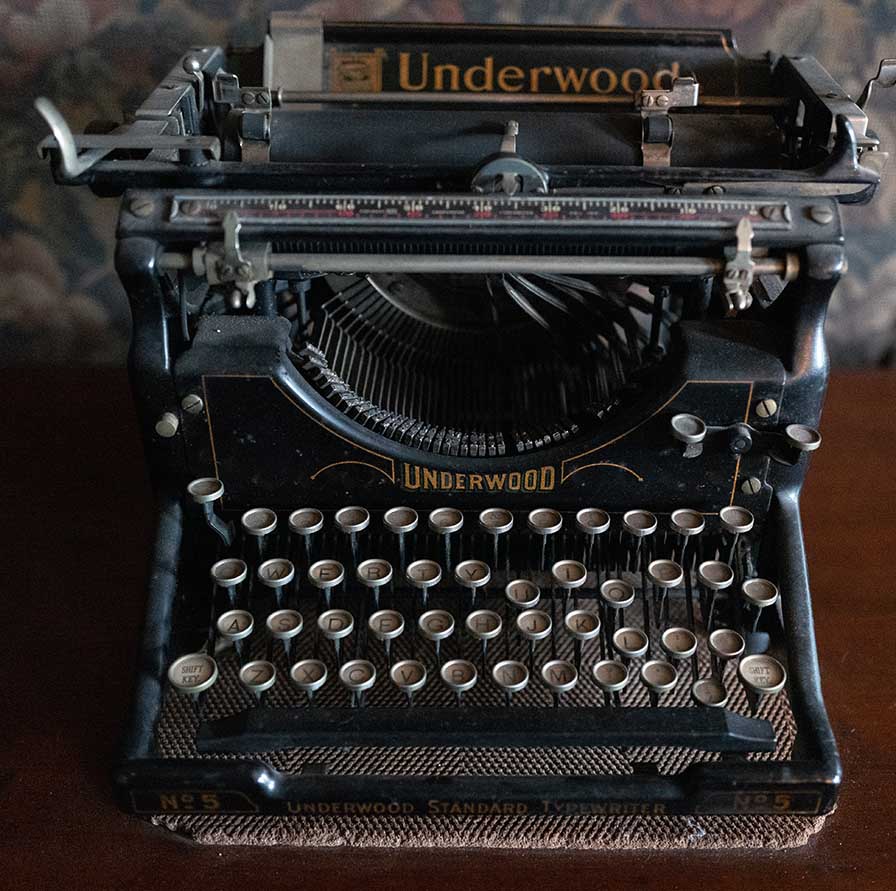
[[352, 72]]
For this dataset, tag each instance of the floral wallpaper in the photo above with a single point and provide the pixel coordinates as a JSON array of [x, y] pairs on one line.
[[60, 300]]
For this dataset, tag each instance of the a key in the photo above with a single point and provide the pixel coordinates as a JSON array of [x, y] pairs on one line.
[[409, 676], [714, 576], [336, 624], [436, 625], [593, 522], [275, 574], [472, 575], [192, 675], [459, 675], [386, 625], [235, 626], [522, 593], [761, 676], [357, 676], [496, 522], [664, 575], [207, 492], [285, 625], [259, 524], [534, 625], [759, 594], [561, 676], [401, 522], [724, 644], [228, 574], [445, 522], [709, 693], [583, 625], [544, 523], [306, 523], [309, 675], [423, 575], [630, 643], [326, 576], [512, 677], [352, 521], [258, 677], [612, 677], [484, 625], [659, 677], [374, 574]]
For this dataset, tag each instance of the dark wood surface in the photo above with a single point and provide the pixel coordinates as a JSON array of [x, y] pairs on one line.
[[76, 523]]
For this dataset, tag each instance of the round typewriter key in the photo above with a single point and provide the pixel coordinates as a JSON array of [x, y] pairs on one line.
[[568, 575], [583, 625], [326, 575], [258, 677], [560, 676], [679, 643], [258, 523], [639, 523], [409, 676], [472, 575], [687, 522], [658, 677], [534, 625], [484, 624], [664, 575], [401, 522], [309, 675], [357, 675], [460, 675], [306, 522], [736, 520], [436, 625], [235, 626], [496, 521], [227, 574], [352, 521], [335, 624], [544, 523], [714, 576], [709, 693], [193, 674], [386, 625], [374, 574], [759, 593], [276, 574], [690, 430], [445, 521], [592, 522], [617, 594], [522, 593], [205, 490], [284, 625], [724, 645], [761, 675], [511, 676], [802, 438], [630, 643], [423, 575], [612, 677]]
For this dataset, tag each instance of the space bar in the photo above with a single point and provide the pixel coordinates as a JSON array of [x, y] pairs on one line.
[[267, 729]]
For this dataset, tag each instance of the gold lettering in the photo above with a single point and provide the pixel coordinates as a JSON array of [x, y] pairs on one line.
[[669, 73], [438, 77], [504, 79], [475, 482], [487, 83], [571, 77], [534, 75], [530, 480], [495, 481], [404, 78], [627, 80], [411, 482], [460, 480], [430, 478], [445, 479], [547, 478], [594, 80], [168, 802]]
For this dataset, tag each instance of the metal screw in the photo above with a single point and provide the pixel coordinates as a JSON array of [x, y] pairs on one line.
[[189, 207], [192, 403], [714, 190], [262, 97], [751, 486], [248, 98], [142, 206], [226, 271], [192, 64], [167, 425], [244, 270], [765, 408], [820, 214]]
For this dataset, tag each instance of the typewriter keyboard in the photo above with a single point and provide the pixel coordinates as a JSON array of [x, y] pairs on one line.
[[491, 628]]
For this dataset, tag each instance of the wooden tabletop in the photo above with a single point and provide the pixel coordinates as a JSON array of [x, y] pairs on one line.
[[77, 519]]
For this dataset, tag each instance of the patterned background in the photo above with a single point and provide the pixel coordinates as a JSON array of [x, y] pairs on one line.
[[59, 298]]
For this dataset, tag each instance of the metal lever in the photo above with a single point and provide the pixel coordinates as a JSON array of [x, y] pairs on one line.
[[507, 172], [885, 77], [656, 124], [740, 268]]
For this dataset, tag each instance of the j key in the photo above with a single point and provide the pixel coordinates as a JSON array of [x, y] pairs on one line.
[[386, 625], [276, 574], [326, 576], [259, 525], [192, 675], [460, 676], [352, 521], [336, 624], [436, 625], [207, 492], [309, 675], [544, 523], [409, 676], [583, 625], [423, 575], [612, 677], [560, 676], [709, 693], [306, 523], [761, 676], [593, 522], [511, 676], [358, 676], [235, 626], [659, 678], [484, 625], [724, 644], [472, 575], [285, 625], [258, 677], [496, 522], [522, 593], [445, 522], [759, 594], [534, 625], [401, 522], [714, 576], [228, 574], [374, 574]]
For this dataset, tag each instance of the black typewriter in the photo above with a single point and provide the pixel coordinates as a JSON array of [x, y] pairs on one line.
[[478, 371]]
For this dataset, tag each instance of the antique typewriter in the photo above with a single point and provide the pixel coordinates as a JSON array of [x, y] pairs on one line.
[[478, 371]]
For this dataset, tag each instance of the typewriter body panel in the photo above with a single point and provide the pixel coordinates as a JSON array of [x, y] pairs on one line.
[[367, 273]]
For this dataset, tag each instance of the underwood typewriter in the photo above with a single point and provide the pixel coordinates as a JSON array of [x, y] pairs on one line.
[[478, 371]]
